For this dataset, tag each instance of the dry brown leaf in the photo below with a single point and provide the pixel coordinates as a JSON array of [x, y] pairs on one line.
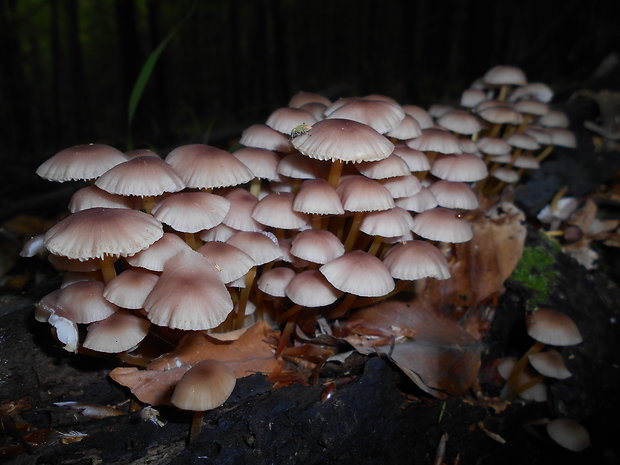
[[442, 359], [247, 355], [484, 263]]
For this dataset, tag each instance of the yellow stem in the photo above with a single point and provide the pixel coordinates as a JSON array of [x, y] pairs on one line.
[[334, 173], [245, 294], [353, 231], [107, 269]]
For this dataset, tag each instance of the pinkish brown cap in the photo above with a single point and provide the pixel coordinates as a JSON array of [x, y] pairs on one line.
[[91, 197], [344, 140], [413, 260], [422, 201], [263, 137], [553, 328], [205, 167], [97, 232], [456, 195], [505, 75], [286, 119], [80, 162], [297, 166], [317, 197], [402, 186], [568, 434], [261, 247], [276, 210], [435, 140], [523, 141], [317, 246], [273, 282], [550, 363], [461, 122], [361, 194], [407, 129], [189, 295], [130, 288], [239, 216], [534, 90], [230, 262], [359, 273], [83, 302], [205, 386], [554, 119], [387, 223], [493, 146], [141, 176], [441, 224], [310, 289], [416, 160], [261, 162], [155, 257], [459, 168], [117, 333], [192, 211], [302, 98], [420, 115], [389, 167]]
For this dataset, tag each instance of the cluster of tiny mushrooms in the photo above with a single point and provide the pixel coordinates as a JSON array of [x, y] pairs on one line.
[[329, 206]]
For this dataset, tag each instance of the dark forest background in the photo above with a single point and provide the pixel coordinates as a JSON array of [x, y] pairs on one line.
[[67, 67]]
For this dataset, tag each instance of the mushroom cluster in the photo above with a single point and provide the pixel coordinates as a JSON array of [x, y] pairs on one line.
[[328, 206]]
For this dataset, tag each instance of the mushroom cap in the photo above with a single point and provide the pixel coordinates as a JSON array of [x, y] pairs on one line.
[[239, 216], [459, 168], [276, 210], [96, 232], [536, 90], [361, 194], [263, 137], [416, 160], [92, 196], [435, 140], [274, 281], [389, 167], [454, 195], [493, 146], [317, 197], [83, 302], [505, 75], [461, 122], [387, 223], [144, 176], [422, 201], [192, 211], [262, 163], [204, 386], [130, 288], [413, 260], [295, 165], [441, 224], [204, 167], [286, 119], [317, 246], [80, 162], [402, 186], [380, 115], [230, 262], [359, 273], [259, 246], [311, 289], [553, 328], [188, 295], [550, 363], [344, 140], [407, 129], [569, 434], [155, 257], [117, 333], [302, 98], [420, 115]]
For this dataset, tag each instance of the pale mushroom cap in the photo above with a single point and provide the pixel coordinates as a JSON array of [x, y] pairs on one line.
[[285, 119], [203, 167], [91, 197], [420, 115], [221, 233], [297, 166], [317, 197], [380, 115], [317, 246], [80, 162], [553, 328], [413, 260], [505, 75], [276, 210], [562, 137], [402, 186], [387, 223], [505, 175], [230, 262], [461, 122], [155, 257], [188, 295], [472, 97], [435, 140], [260, 247], [359, 273], [550, 363], [454, 195], [523, 141], [537, 90], [459, 168], [361, 194], [192, 211], [205, 386], [407, 129], [416, 160], [67, 264], [262, 163], [96, 232], [130, 288], [263, 137], [493, 146], [274, 281], [441, 224], [422, 201], [310, 289], [239, 216], [569, 434], [527, 162], [345, 140], [389, 167], [142, 177], [83, 302], [501, 115], [302, 98], [117, 333], [554, 119], [531, 107]]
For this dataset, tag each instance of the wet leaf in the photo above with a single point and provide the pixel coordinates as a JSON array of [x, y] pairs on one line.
[[247, 355], [441, 359]]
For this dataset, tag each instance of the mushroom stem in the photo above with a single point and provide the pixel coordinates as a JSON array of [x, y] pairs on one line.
[[344, 306], [289, 313], [502, 93], [511, 384], [148, 203], [245, 294], [353, 231], [190, 239], [334, 173], [194, 432], [374, 247], [107, 269], [255, 186], [524, 387], [545, 153]]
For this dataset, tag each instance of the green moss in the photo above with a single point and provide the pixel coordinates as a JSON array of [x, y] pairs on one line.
[[536, 272]]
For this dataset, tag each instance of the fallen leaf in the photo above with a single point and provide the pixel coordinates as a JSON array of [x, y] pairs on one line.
[[442, 359], [247, 355]]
